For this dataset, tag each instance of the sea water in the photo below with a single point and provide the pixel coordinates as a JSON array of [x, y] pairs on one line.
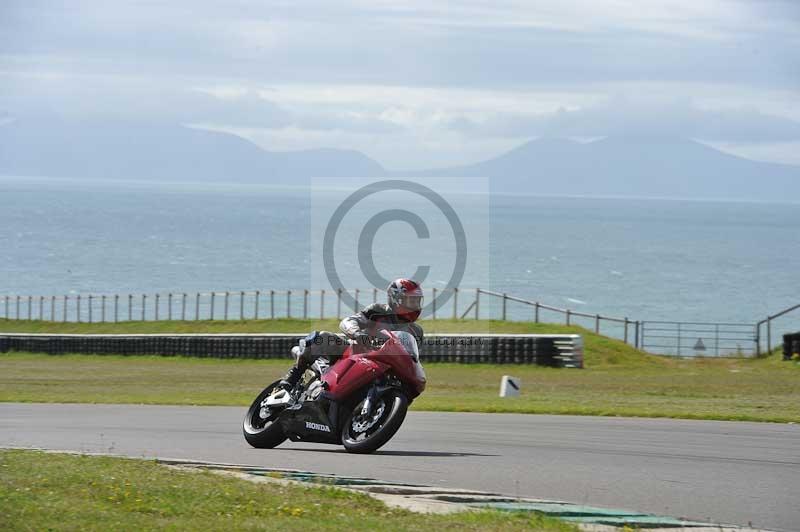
[[647, 259]]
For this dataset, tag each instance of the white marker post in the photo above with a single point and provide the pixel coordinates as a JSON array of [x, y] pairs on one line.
[[509, 386]]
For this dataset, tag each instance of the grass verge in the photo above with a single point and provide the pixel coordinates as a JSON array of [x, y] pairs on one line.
[[751, 390], [45, 491]]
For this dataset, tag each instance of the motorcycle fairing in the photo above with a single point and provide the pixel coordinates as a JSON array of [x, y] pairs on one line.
[[355, 370], [314, 421], [349, 374]]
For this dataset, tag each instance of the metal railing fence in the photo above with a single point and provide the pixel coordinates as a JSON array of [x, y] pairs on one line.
[[699, 338], [768, 322], [194, 306], [661, 337], [182, 306], [623, 328], [303, 303]]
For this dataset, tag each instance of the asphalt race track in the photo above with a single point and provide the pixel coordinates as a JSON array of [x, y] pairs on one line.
[[728, 472]]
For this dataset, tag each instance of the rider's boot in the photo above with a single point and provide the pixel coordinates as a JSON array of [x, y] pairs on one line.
[[292, 377]]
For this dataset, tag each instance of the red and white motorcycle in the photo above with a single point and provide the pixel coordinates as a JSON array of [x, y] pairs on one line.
[[359, 402]]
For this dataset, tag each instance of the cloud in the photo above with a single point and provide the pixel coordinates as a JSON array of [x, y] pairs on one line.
[[136, 100], [470, 44], [415, 83], [771, 152], [93, 98], [622, 116]]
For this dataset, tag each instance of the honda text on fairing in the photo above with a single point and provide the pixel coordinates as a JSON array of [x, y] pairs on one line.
[[359, 402]]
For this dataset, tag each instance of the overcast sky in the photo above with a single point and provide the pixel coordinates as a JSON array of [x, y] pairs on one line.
[[415, 84]]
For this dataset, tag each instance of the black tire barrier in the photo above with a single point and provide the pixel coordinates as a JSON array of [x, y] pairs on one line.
[[558, 351], [791, 345]]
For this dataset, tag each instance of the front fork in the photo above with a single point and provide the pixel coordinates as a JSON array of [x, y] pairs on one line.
[[375, 391], [366, 410]]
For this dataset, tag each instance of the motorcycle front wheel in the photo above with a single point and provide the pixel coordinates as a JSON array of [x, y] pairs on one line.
[[366, 434], [263, 433]]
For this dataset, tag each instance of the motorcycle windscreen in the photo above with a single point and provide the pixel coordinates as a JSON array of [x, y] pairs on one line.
[[409, 343]]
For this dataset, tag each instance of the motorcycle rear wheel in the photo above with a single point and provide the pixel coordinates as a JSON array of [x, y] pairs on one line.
[[395, 406], [262, 433]]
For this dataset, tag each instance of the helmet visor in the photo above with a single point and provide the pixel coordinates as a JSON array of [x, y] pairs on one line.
[[411, 302]]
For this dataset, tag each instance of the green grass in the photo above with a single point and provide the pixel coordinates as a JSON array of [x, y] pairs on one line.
[[618, 380], [41, 491], [756, 390]]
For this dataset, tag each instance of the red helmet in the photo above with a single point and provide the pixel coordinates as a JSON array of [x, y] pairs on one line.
[[405, 298]]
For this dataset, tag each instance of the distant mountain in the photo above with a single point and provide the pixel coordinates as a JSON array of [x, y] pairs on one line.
[[660, 167], [618, 166], [106, 150]]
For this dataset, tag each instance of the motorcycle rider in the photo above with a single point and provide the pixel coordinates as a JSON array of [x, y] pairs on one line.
[[403, 308]]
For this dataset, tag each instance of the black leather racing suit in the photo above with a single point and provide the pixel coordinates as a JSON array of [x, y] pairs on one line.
[[369, 322], [376, 317]]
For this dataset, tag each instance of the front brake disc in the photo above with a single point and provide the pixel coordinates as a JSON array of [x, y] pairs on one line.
[[365, 424]]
